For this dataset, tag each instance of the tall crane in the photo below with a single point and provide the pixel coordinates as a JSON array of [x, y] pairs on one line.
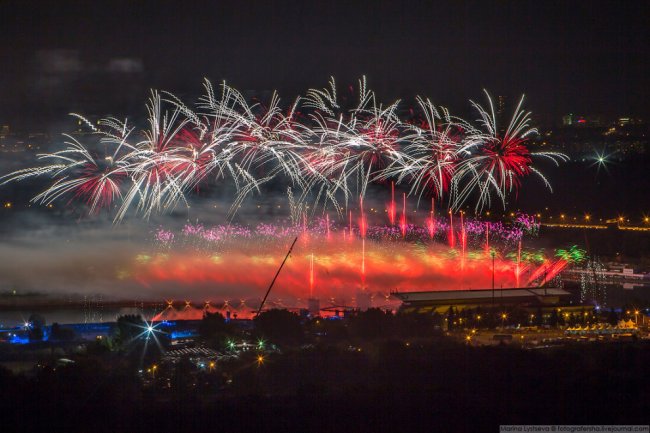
[[276, 276]]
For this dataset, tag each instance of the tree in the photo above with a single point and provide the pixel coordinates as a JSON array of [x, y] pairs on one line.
[[215, 329], [612, 318], [130, 327], [60, 333], [539, 317], [372, 323], [36, 326], [331, 330], [279, 326], [182, 378], [554, 318], [450, 317], [212, 325], [572, 320], [413, 324]]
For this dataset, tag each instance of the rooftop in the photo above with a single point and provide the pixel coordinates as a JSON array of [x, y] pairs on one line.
[[482, 295]]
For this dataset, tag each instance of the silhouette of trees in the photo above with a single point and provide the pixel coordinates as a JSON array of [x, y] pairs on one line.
[[612, 317], [386, 383], [60, 333], [554, 318], [215, 329], [279, 326], [371, 324], [36, 327], [130, 327]]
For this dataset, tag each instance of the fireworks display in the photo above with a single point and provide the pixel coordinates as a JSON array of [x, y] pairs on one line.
[[337, 261], [327, 153]]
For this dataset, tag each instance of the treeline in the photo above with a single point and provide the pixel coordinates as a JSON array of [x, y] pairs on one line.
[[388, 385], [373, 371]]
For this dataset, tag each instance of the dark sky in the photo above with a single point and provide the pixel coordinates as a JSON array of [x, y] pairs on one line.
[[100, 57]]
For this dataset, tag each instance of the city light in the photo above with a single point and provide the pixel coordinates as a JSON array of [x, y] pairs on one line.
[[601, 161]]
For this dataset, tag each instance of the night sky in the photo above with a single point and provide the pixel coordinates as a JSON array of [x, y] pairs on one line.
[[100, 57]]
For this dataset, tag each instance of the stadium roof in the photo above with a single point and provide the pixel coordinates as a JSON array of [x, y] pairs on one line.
[[509, 296]]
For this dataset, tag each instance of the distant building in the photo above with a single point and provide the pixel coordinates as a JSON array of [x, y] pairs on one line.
[[501, 105], [631, 121], [581, 121], [567, 120], [364, 300], [313, 306], [441, 301]]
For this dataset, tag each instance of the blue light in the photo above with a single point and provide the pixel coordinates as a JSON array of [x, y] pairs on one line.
[[17, 339], [182, 334]]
